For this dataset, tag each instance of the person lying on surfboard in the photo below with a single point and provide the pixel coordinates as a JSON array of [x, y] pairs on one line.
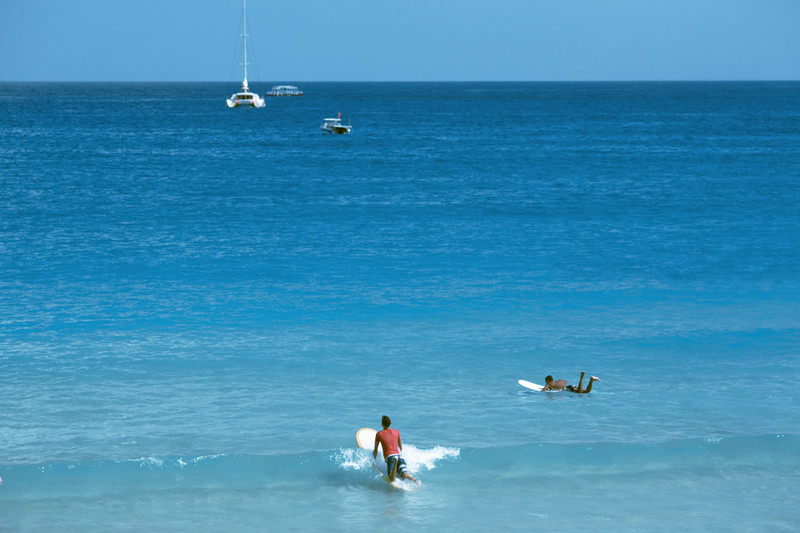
[[561, 384], [390, 440]]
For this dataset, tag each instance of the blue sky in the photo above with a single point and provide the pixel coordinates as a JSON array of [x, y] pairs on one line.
[[401, 40]]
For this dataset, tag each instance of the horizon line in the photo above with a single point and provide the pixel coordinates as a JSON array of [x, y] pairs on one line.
[[743, 80]]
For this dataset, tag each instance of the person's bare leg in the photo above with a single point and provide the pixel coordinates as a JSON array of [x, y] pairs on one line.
[[592, 379], [580, 384], [412, 478]]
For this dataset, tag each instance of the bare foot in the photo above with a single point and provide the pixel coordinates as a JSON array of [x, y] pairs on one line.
[[594, 378]]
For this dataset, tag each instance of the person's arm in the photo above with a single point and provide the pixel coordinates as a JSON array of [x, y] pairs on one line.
[[547, 386], [375, 451], [399, 443]]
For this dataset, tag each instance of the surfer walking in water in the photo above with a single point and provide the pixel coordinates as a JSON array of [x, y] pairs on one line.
[[389, 440], [561, 384]]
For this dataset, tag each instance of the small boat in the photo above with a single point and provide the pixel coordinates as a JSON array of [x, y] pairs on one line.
[[244, 97], [334, 125], [285, 90]]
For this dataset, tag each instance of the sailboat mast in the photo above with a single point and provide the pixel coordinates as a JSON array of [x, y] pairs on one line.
[[244, 12], [244, 97]]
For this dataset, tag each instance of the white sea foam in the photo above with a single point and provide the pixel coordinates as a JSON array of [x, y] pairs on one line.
[[353, 458], [418, 459]]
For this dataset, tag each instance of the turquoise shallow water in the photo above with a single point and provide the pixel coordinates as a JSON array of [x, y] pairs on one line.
[[200, 306], [628, 487]]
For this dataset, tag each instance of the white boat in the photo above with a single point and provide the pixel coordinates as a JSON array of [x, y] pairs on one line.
[[334, 125], [285, 90], [244, 97]]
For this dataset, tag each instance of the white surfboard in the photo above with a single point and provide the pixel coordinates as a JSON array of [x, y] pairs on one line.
[[365, 437], [531, 386]]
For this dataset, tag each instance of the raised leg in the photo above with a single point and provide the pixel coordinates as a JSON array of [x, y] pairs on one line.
[[592, 379]]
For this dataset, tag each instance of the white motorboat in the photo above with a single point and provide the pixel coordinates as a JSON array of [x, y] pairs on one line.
[[244, 97], [285, 90], [334, 125]]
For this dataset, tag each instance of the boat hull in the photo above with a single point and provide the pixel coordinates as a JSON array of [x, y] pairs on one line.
[[232, 104], [252, 100]]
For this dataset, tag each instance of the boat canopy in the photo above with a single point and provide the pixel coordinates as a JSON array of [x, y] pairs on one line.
[[285, 90]]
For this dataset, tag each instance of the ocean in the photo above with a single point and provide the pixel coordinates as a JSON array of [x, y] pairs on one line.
[[200, 306]]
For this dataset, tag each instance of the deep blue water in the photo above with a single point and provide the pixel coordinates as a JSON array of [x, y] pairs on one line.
[[200, 306]]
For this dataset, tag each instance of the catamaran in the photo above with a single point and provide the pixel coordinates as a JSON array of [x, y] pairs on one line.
[[244, 97]]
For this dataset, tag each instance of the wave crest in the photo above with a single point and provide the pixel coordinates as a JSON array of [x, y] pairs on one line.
[[418, 459]]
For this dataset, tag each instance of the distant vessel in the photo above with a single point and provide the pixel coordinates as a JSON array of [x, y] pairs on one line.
[[334, 125], [244, 97], [285, 90]]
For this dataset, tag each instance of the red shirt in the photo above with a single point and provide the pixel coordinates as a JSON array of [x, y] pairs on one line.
[[389, 439]]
